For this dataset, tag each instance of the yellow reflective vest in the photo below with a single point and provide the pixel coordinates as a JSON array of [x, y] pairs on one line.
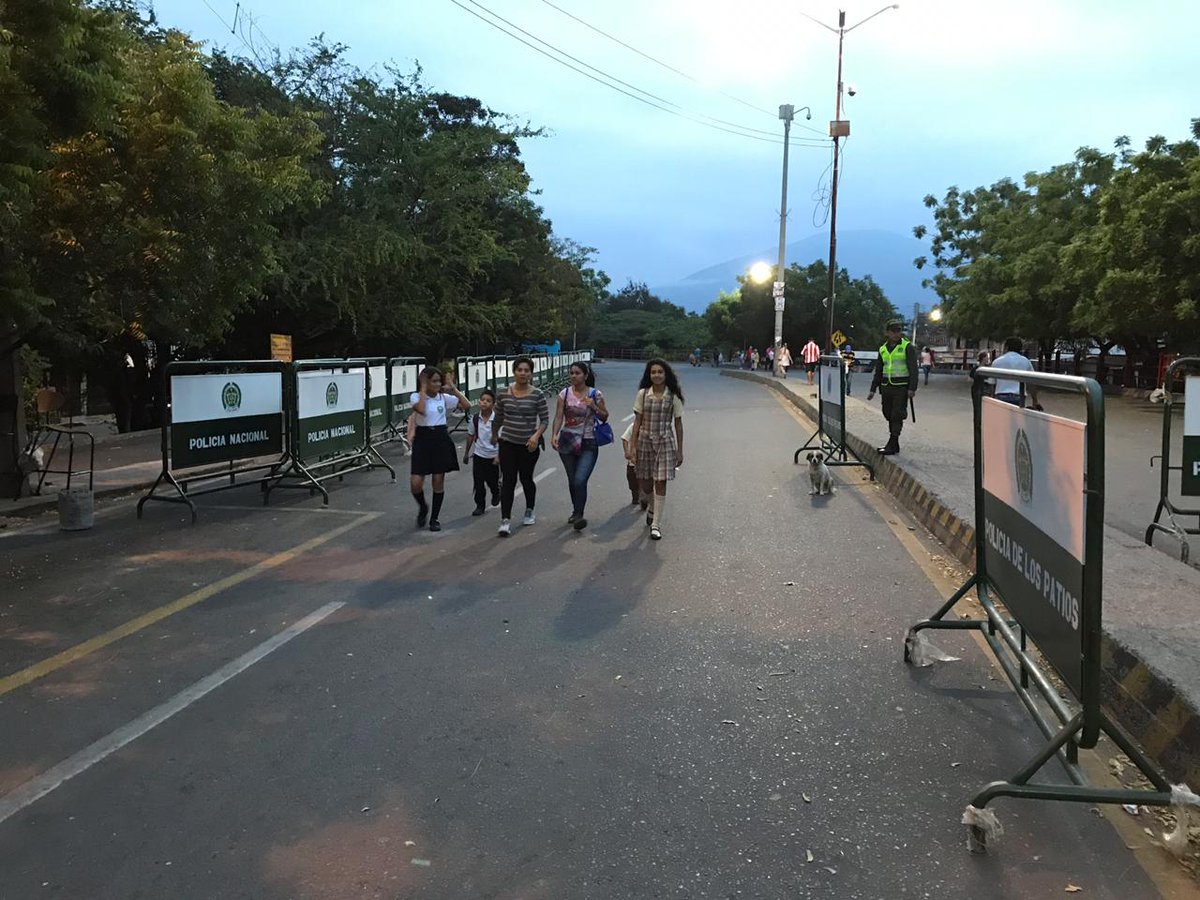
[[894, 362]]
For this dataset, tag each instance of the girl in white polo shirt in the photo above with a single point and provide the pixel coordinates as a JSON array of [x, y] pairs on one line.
[[433, 450]]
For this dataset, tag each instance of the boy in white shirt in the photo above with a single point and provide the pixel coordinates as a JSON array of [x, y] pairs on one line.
[[481, 445], [1015, 360]]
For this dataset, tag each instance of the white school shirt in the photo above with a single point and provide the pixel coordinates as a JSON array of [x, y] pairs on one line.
[[436, 409], [485, 441], [1015, 361]]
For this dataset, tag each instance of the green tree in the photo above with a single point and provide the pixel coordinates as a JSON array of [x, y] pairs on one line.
[[747, 317]]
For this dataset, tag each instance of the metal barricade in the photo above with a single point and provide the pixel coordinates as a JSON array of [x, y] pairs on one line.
[[1189, 465], [1039, 547], [214, 413], [830, 437]]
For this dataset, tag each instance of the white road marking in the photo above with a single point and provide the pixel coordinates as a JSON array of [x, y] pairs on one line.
[[628, 417], [33, 790], [313, 510]]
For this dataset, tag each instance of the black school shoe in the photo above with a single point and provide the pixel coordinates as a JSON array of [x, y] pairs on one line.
[[435, 525], [580, 524], [478, 511]]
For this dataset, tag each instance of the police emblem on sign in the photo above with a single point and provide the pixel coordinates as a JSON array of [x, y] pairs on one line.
[[331, 394], [1023, 466], [231, 397]]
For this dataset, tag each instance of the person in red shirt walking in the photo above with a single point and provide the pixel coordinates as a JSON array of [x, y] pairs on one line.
[[811, 354]]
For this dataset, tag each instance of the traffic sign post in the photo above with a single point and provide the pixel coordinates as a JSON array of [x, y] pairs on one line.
[[1189, 467], [830, 436], [1039, 547]]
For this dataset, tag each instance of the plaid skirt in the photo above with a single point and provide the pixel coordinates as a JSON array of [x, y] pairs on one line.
[[656, 457]]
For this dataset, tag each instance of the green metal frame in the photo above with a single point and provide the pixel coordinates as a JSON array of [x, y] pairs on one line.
[[1079, 724], [1165, 504], [307, 473], [837, 451], [228, 477]]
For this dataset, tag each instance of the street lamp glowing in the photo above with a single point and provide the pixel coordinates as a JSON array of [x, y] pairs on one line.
[[761, 272], [935, 314]]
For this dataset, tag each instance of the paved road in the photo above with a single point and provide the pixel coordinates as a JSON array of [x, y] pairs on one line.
[[555, 715]]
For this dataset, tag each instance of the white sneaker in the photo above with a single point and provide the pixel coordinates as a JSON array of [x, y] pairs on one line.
[[505, 528], [530, 518]]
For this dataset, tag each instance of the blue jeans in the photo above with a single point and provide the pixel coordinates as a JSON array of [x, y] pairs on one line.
[[579, 470]]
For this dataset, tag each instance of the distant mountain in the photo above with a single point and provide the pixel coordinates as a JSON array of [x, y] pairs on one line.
[[884, 255]]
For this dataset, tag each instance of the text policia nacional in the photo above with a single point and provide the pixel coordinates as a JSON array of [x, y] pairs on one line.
[[212, 441], [1055, 592]]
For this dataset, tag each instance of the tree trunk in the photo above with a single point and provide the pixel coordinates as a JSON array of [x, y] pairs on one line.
[[12, 414]]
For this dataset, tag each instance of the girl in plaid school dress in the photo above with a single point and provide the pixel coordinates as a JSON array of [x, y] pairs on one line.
[[656, 450]]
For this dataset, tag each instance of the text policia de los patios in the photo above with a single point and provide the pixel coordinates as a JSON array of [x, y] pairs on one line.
[[1055, 592]]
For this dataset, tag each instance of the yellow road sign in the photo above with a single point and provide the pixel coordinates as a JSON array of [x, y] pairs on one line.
[[838, 339]]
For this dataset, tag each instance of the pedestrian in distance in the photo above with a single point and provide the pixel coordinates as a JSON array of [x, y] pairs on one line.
[[657, 447], [579, 409], [433, 451], [926, 362], [784, 362], [1015, 360], [522, 417], [896, 382], [811, 354], [848, 363], [481, 448], [753, 360]]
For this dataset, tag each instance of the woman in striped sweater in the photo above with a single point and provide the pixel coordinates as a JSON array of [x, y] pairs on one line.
[[522, 417]]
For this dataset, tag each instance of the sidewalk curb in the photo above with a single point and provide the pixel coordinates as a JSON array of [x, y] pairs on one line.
[[1147, 706]]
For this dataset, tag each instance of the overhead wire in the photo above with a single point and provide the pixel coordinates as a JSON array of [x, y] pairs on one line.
[[654, 100], [672, 68]]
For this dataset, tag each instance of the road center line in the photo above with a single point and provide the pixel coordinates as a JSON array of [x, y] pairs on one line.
[[628, 417], [79, 651], [36, 788]]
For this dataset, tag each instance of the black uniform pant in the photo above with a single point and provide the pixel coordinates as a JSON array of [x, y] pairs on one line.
[[486, 475], [516, 462], [895, 407]]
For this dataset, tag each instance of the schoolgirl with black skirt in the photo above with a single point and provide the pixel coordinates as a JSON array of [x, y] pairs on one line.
[[433, 451]]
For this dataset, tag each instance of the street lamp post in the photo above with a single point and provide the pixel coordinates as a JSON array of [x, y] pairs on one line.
[[838, 129]]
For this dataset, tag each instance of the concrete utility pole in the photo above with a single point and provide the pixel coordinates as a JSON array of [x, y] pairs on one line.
[[786, 112]]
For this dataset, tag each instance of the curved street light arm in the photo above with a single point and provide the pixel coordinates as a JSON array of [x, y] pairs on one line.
[[871, 16]]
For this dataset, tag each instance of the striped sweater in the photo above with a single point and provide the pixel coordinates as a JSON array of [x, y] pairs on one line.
[[520, 417]]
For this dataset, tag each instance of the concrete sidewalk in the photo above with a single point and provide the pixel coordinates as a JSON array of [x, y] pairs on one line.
[[1151, 679]]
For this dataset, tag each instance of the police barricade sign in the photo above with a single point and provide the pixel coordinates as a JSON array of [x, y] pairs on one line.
[[402, 384], [224, 417], [1033, 513], [1191, 437], [224, 420], [1170, 516], [832, 399], [1039, 548], [378, 411], [330, 413]]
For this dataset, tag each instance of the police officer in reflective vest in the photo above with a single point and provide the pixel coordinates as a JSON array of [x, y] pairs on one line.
[[896, 381]]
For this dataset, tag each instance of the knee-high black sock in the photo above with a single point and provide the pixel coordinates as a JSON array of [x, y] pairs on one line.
[[419, 496], [438, 497]]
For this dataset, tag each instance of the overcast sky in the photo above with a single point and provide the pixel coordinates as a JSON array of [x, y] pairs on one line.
[[947, 92]]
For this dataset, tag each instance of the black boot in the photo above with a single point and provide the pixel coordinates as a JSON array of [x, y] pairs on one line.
[[434, 524], [891, 448]]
